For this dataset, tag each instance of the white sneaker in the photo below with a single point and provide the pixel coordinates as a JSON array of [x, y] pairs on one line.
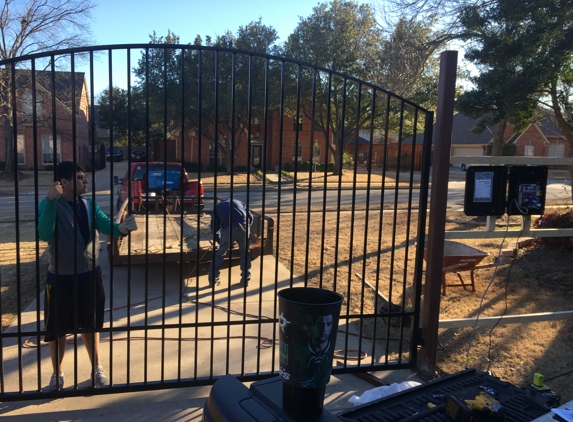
[[101, 379], [53, 386]]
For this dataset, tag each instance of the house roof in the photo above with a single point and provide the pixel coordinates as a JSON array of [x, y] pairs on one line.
[[461, 132], [351, 138], [547, 127], [514, 138], [62, 84]]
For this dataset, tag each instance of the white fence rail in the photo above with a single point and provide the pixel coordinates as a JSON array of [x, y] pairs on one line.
[[506, 319]]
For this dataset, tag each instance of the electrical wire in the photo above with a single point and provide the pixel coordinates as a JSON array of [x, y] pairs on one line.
[[558, 376], [480, 307], [508, 279]]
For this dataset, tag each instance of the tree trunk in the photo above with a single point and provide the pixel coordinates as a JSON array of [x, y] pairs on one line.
[[337, 170], [571, 178], [498, 134], [228, 161]]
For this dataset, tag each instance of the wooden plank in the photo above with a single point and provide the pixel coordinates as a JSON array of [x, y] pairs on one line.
[[158, 234], [499, 234], [506, 319], [147, 243], [515, 160], [373, 287]]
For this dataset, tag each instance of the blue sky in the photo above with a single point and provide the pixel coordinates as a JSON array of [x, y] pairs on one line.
[[131, 21]]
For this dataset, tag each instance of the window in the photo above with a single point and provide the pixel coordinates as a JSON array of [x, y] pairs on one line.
[[316, 151], [297, 154], [556, 150], [294, 125], [21, 150], [212, 159], [27, 106], [529, 151], [48, 150]]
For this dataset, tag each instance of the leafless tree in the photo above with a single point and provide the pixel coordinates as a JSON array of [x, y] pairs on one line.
[[446, 12], [29, 27]]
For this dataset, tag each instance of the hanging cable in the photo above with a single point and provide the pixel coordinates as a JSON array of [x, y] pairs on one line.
[[523, 211]]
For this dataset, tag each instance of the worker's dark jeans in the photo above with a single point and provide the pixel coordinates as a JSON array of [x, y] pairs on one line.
[[239, 234]]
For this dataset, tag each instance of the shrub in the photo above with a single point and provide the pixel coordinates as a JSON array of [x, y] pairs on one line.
[[347, 159], [220, 169], [288, 167], [392, 161], [192, 167], [287, 175], [240, 169], [508, 149], [555, 220], [322, 167]]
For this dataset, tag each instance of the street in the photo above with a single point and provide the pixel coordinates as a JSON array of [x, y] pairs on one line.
[[106, 195]]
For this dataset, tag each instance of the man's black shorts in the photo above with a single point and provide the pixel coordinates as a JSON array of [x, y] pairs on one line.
[[68, 308]]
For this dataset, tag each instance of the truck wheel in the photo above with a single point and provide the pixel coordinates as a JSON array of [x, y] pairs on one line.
[[463, 167]]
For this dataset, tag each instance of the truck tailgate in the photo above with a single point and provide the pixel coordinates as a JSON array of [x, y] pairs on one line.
[[159, 234]]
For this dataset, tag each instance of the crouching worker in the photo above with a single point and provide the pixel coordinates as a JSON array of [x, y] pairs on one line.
[[74, 297], [230, 223]]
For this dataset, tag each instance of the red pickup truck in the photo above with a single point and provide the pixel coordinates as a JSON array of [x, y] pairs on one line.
[[155, 185]]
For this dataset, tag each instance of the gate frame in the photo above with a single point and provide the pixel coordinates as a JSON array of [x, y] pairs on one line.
[[422, 216]]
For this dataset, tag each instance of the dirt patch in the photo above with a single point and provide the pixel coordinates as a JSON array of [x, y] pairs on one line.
[[26, 181], [30, 269]]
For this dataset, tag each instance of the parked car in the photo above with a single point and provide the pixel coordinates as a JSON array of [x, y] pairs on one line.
[[116, 156], [138, 156], [156, 185]]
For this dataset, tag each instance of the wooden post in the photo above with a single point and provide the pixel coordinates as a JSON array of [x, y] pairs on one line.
[[438, 205]]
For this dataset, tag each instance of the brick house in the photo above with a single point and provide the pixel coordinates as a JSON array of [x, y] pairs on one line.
[[282, 148], [306, 150], [53, 115], [541, 139]]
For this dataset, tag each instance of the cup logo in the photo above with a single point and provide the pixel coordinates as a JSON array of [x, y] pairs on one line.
[[307, 332]]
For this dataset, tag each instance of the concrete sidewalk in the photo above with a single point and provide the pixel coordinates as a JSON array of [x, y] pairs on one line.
[[178, 404], [199, 304]]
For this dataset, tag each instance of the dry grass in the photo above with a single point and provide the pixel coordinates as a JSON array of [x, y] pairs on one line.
[[359, 179], [226, 179], [539, 281], [30, 275]]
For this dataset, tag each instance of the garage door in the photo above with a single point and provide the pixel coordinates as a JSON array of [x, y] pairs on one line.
[[467, 151], [473, 151]]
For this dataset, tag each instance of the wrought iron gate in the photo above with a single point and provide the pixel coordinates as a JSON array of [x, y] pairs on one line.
[[340, 193]]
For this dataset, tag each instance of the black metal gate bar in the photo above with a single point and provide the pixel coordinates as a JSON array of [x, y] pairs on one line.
[[221, 95]]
